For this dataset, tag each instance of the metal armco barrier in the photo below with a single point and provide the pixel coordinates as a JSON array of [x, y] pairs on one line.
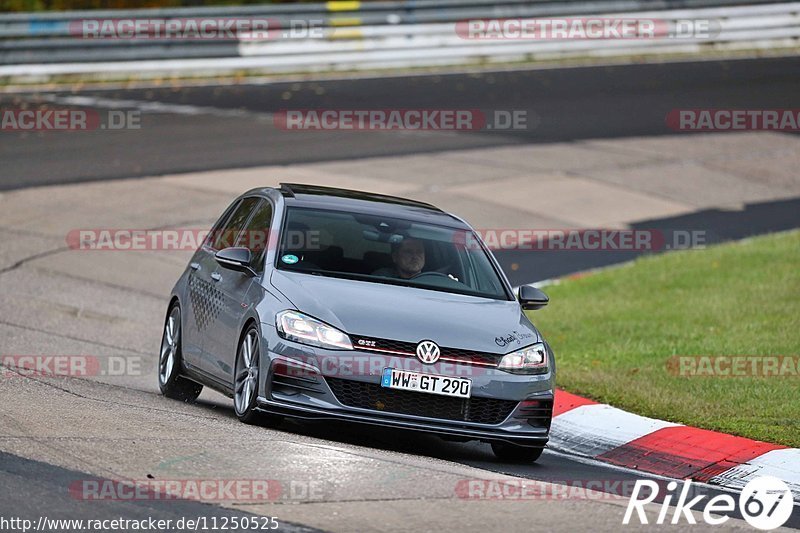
[[346, 35]]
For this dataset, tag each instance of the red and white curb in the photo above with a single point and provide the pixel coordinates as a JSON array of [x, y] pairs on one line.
[[604, 433]]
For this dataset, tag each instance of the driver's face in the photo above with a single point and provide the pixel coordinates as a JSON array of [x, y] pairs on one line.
[[409, 258]]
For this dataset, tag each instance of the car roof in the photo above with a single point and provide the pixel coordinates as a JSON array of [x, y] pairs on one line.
[[332, 198]]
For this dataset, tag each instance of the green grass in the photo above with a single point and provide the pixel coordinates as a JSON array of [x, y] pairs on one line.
[[614, 331]]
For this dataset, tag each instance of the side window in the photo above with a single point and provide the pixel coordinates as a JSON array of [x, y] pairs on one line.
[[219, 224], [225, 235], [256, 234]]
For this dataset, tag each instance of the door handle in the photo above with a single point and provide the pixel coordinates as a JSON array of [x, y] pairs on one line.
[[195, 266], [216, 276]]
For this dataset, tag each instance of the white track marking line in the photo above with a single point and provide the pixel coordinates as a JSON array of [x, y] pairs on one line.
[[154, 107]]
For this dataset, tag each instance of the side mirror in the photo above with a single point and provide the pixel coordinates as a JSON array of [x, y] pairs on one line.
[[235, 258], [531, 298]]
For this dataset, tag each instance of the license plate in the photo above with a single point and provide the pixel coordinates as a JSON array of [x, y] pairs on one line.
[[414, 381]]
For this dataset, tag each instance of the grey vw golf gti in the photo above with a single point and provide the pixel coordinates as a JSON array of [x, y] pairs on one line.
[[322, 303]]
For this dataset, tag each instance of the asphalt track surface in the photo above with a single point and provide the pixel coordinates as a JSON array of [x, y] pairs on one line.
[[562, 105], [29, 487], [568, 104], [220, 127]]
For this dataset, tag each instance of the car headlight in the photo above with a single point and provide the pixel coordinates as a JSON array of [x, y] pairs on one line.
[[296, 326], [530, 360]]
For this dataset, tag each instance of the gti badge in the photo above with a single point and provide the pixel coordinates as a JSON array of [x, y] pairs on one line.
[[428, 352]]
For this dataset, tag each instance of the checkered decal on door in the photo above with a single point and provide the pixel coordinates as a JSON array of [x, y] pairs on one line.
[[206, 301]]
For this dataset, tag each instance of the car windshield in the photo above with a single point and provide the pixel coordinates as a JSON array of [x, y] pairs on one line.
[[379, 249]]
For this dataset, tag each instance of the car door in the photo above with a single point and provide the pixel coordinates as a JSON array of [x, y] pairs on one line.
[[202, 301], [231, 288]]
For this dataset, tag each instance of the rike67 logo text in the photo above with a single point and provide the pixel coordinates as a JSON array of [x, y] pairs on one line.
[[765, 503]]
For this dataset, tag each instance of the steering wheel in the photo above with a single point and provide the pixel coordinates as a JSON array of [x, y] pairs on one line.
[[431, 273]]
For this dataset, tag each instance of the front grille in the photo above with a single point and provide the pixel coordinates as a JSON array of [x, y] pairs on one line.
[[373, 396], [409, 349]]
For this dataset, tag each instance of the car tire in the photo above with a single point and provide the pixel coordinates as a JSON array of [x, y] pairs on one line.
[[170, 382], [245, 381], [510, 453]]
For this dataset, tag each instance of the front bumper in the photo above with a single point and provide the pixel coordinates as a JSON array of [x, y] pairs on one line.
[[425, 426], [296, 385]]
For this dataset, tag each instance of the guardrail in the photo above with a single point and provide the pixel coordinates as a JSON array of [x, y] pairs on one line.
[[344, 35]]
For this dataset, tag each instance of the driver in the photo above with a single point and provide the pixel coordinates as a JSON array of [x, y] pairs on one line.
[[408, 257]]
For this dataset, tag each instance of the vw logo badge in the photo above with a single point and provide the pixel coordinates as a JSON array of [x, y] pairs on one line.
[[428, 352]]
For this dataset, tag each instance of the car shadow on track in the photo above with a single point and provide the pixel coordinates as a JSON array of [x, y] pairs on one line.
[[575, 476], [385, 439], [551, 467]]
